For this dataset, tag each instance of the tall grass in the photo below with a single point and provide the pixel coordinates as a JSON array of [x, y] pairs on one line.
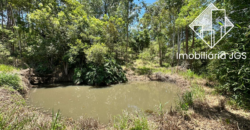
[[6, 68], [131, 121], [198, 92], [11, 80], [187, 99]]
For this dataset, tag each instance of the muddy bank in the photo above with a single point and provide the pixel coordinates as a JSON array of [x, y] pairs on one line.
[[58, 76], [172, 78]]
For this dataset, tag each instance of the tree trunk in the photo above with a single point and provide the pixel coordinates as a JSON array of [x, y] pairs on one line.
[[191, 62], [2, 18], [186, 39], [173, 41], [179, 46], [187, 43], [160, 45], [126, 55]]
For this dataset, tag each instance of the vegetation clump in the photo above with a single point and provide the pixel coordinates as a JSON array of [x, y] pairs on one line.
[[11, 80], [100, 74]]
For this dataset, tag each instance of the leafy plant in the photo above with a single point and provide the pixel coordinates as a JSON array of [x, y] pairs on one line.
[[186, 100], [77, 76], [55, 124], [104, 74], [96, 53]]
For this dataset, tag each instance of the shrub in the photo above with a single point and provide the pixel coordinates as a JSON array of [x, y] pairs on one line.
[[11, 80], [104, 74], [96, 53], [146, 55], [77, 76]]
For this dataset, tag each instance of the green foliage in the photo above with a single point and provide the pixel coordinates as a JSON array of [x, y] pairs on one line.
[[11, 80], [77, 77], [5, 57], [105, 74], [126, 121], [96, 53], [186, 100], [43, 69], [55, 124], [146, 55], [144, 70], [140, 124], [121, 121], [198, 92], [190, 74], [233, 74], [6, 68], [141, 40]]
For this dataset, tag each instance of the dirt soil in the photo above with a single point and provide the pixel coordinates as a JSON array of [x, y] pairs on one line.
[[173, 78]]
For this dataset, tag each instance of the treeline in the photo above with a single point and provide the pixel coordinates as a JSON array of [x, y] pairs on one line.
[[88, 35]]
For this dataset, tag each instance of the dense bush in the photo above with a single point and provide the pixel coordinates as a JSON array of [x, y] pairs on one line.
[[234, 74], [96, 53], [105, 74]]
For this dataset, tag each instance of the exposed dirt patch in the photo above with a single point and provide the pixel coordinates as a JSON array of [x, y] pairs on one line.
[[173, 78]]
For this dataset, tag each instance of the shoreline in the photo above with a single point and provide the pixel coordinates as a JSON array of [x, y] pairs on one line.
[[206, 111]]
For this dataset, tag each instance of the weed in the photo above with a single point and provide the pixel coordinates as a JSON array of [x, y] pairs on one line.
[[140, 124], [233, 103], [198, 92], [186, 100], [161, 106], [55, 124], [121, 121]]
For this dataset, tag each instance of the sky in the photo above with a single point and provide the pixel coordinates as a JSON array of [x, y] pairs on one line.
[[148, 2], [142, 11]]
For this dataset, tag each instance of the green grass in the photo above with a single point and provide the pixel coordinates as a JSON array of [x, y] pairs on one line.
[[143, 70], [11, 80], [198, 92], [162, 70], [7, 68], [187, 99], [131, 121]]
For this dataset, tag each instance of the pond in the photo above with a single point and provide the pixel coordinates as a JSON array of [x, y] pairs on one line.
[[103, 103]]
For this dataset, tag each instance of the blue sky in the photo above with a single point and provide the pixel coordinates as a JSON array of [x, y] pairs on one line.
[[148, 2], [142, 11]]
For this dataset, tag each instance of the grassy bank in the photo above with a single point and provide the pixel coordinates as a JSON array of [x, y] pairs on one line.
[[200, 106]]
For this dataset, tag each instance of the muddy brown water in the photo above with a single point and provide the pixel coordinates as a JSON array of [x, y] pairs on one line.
[[104, 103]]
